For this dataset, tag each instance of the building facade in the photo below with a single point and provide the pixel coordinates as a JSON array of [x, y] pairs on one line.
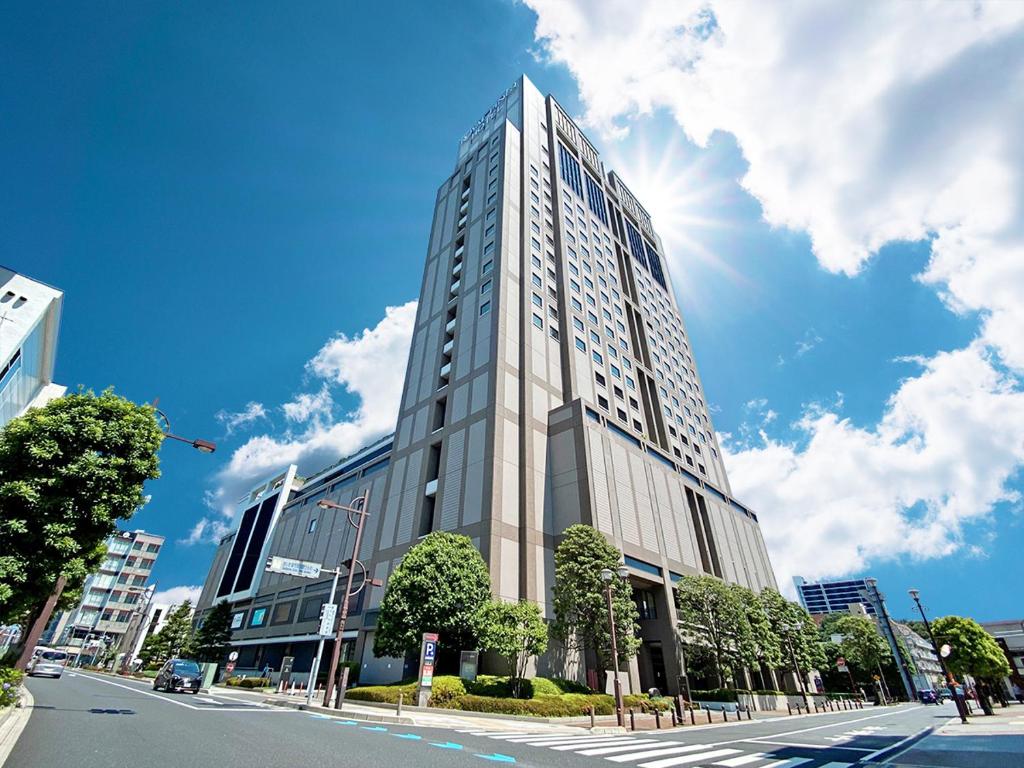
[[111, 597], [29, 325], [1010, 637], [929, 670], [550, 381], [832, 596]]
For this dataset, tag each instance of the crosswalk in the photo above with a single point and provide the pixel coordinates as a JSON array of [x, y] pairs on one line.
[[644, 752]]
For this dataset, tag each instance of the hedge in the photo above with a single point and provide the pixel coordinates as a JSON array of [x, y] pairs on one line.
[[715, 694], [645, 703], [566, 705], [383, 694], [248, 682]]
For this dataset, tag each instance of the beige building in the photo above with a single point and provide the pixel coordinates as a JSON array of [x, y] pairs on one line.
[[550, 381]]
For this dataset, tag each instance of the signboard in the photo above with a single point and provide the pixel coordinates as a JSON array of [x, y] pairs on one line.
[[233, 656], [286, 669], [289, 567], [328, 612], [468, 663], [428, 654]]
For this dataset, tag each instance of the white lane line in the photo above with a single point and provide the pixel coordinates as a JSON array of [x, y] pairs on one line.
[[597, 742], [836, 765], [804, 745], [517, 735], [820, 727], [668, 762], [210, 701], [732, 762], [169, 700], [656, 753], [895, 748], [619, 748], [543, 741], [793, 762]]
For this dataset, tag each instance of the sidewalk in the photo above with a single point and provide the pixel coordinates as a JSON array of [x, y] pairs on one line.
[[995, 741]]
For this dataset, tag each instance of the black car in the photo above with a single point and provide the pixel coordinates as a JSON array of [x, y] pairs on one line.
[[928, 697], [178, 675]]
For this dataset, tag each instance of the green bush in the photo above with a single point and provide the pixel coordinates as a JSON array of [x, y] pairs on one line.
[[644, 703], [567, 705], [493, 686], [543, 687], [715, 694], [248, 682], [769, 692], [446, 690], [10, 681], [384, 694], [569, 686]]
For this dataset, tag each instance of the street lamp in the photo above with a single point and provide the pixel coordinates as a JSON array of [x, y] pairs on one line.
[[203, 446], [961, 705], [787, 629], [359, 511], [606, 576]]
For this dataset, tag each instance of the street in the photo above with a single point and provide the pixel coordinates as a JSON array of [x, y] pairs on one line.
[[93, 721]]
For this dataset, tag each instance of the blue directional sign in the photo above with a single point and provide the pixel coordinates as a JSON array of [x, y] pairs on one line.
[[429, 650]]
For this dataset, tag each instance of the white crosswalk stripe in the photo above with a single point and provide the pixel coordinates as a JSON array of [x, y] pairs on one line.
[[732, 762], [689, 759], [656, 753]]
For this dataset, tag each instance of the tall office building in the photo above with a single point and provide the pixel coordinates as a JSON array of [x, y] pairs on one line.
[[29, 323], [550, 382], [111, 596], [832, 596]]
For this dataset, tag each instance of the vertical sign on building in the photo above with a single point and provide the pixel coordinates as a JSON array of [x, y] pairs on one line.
[[428, 653]]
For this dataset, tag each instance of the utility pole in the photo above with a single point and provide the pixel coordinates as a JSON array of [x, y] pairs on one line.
[[961, 705], [877, 601], [606, 577]]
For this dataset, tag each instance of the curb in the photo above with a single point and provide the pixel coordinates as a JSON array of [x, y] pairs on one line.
[[14, 724], [342, 714]]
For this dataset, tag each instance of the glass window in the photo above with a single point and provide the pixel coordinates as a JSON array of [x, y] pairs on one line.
[[485, 308]]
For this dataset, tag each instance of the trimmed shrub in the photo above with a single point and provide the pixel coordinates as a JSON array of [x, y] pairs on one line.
[[10, 681], [645, 703], [384, 694], [248, 682], [568, 705], [544, 687], [445, 690], [494, 686], [715, 694], [569, 686]]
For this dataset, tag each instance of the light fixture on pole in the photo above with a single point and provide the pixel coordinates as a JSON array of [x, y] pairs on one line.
[[961, 705], [607, 576]]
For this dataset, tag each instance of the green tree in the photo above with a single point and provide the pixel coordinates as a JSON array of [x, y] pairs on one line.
[[177, 633], [862, 645], [154, 651], [580, 602], [713, 624], [439, 586], [796, 629], [516, 632], [760, 645], [213, 640], [973, 651], [69, 472]]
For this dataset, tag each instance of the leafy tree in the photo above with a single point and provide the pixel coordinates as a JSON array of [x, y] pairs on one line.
[[580, 602], [153, 651], [439, 586], [713, 624], [973, 651], [862, 645], [213, 639], [69, 472], [806, 644], [177, 632], [760, 646], [516, 632]]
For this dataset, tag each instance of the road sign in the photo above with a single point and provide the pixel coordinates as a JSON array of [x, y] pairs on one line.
[[233, 656], [428, 652], [328, 613], [289, 567]]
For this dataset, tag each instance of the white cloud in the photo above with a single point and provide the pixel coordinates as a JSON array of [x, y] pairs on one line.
[[252, 412], [862, 124], [371, 366], [178, 595], [844, 495], [810, 340]]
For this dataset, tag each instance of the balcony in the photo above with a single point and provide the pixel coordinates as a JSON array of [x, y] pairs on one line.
[[431, 488], [448, 347], [462, 222], [455, 287], [457, 269], [446, 370], [450, 328]]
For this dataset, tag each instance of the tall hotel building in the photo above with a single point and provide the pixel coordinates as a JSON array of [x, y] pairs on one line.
[[550, 382]]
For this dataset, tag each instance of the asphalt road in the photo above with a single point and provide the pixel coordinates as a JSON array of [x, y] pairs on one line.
[[93, 721]]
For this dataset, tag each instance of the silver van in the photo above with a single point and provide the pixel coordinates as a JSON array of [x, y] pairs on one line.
[[47, 662]]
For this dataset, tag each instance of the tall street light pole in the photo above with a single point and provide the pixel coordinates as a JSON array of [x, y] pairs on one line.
[[961, 705], [606, 577], [878, 600], [357, 513], [39, 625], [788, 629]]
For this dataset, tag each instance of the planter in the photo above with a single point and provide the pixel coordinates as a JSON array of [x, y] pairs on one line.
[[718, 706]]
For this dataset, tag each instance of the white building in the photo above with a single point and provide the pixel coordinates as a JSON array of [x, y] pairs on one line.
[[29, 325]]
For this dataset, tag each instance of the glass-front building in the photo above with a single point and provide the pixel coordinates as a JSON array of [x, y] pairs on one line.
[[832, 596]]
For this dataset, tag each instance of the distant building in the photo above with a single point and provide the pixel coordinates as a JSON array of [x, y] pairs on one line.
[[929, 670], [832, 596], [144, 623], [1010, 636], [29, 323], [111, 596]]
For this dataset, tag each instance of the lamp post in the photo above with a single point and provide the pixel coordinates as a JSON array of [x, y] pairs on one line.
[[358, 510], [787, 629], [606, 576], [961, 705], [877, 599]]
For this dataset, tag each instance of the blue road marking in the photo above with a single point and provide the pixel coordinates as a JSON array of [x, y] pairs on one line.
[[347, 722], [321, 717], [377, 728], [412, 736], [446, 745], [496, 758]]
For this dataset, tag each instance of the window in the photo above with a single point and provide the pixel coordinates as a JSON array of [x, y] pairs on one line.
[[485, 308], [537, 320], [237, 619], [581, 345], [488, 265], [597, 357], [538, 301], [595, 199], [485, 288], [259, 617], [312, 525], [570, 169], [283, 613], [311, 607]]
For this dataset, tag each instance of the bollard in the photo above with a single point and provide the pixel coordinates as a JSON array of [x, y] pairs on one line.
[[693, 717], [632, 719], [674, 721], [749, 715], [680, 709], [657, 719], [709, 715], [725, 715], [789, 707], [592, 724], [402, 695]]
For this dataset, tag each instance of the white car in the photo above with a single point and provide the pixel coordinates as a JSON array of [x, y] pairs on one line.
[[47, 663]]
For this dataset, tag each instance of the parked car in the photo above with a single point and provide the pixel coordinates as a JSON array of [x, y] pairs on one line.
[[945, 695], [48, 662], [928, 697], [178, 675]]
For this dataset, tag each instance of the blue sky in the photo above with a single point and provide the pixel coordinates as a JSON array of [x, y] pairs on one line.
[[223, 190]]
